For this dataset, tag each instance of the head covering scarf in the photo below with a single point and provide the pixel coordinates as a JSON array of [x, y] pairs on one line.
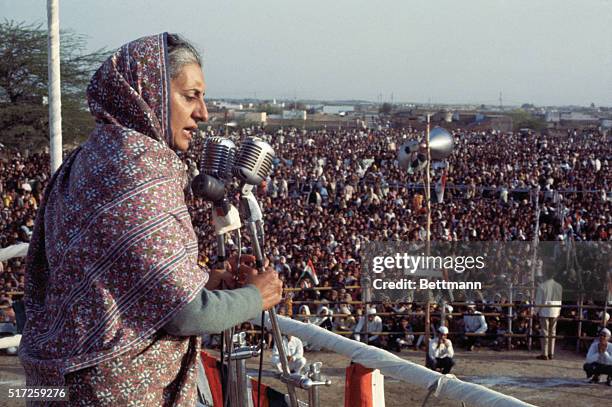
[[113, 256]]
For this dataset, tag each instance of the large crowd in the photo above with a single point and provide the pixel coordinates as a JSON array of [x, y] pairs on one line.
[[333, 191]]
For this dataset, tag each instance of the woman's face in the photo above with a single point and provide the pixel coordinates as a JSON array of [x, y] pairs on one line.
[[187, 106]]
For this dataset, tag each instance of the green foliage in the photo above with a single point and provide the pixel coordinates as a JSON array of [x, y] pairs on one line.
[[270, 108], [23, 84], [386, 108], [297, 106], [522, 119]]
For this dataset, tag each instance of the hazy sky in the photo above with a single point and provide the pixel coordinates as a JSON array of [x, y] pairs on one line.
[[447, 51]]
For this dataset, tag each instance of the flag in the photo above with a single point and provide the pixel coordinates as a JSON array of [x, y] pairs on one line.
[[310, 271]]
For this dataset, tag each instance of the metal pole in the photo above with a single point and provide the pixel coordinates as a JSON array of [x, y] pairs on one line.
[[428, 199], [530, 331], [242, 385], [427, 323], [366, 298], [283, 356], [230, 371], [428, 182], [54, 87], [365, 323], [313, 392], [228, 337], [605, 309], [276, 332], [536, 241], [511, 301], [580, 303], [443, 313]]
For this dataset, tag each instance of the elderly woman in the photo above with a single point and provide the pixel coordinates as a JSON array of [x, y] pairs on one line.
[[115, 299]]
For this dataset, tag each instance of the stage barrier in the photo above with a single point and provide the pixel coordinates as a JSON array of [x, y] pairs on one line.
[[447, 386]]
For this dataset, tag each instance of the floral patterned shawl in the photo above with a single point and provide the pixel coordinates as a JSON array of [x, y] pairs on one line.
[[114, 255]]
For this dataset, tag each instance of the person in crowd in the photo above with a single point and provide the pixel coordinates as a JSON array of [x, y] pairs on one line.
[[9, 336], [324, 319], [344, 322], [405, 337], [115, 300], [599, 358], [440, 354], [295, 354], [548, 293], [370, 329], [474, 323]]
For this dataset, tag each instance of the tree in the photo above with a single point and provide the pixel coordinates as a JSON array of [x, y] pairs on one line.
[[386, 108], [270, 108], [522, 119], [23, 84], [298, 106]]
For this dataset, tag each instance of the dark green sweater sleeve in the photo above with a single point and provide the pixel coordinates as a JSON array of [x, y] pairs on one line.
[[216, 311]]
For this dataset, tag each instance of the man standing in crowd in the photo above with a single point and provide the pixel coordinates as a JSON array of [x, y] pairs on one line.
[[474, 323], [548, 293], [599, 358], [440, 354]]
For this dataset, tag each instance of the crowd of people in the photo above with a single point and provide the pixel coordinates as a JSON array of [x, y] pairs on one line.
[[333, 191], [21, 189]]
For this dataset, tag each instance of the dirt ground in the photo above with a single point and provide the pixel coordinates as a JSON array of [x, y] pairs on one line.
[[560, 382]]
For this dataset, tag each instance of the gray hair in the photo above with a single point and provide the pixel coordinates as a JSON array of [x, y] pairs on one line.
[[180, 53]]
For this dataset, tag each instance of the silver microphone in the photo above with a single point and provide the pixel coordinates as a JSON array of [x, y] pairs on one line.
[[253, 161], [218, 158], [215, 169]]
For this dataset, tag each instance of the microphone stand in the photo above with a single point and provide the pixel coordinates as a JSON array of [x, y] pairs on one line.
[[254, 220], [226, 219]]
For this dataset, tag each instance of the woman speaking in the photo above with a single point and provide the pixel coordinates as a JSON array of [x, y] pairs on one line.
[[115, 299]]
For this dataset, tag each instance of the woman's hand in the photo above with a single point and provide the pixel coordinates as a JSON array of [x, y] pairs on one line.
[[218, 275], [230, 275], [269, 285], [237, 275]]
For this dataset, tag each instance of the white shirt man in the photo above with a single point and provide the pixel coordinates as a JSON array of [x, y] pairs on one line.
[[548, 293], [599, 358], [374, 325], [295, 354], [441, 353], [473, 322]]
